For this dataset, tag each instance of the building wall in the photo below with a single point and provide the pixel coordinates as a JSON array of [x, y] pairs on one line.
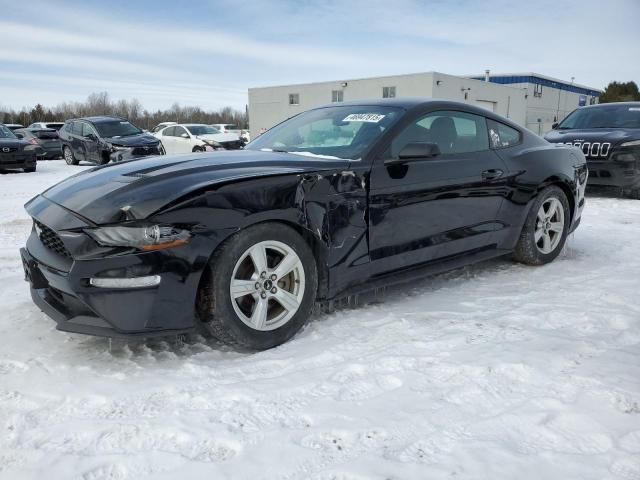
[[269, 106], [552, 106]]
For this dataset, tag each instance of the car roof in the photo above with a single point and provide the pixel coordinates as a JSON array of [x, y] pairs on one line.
[[99, 119], [613, 104]]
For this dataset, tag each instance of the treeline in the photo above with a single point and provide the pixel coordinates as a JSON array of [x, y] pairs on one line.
[[132, 110], [620, 92]]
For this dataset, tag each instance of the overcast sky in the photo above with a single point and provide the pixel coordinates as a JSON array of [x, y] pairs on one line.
[[208, 53]]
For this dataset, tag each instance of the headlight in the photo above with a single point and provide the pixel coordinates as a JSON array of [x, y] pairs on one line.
[[154, 237], [634, 143], [119, 148]]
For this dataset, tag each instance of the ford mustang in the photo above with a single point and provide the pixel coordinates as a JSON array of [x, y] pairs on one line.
[[333, 202]]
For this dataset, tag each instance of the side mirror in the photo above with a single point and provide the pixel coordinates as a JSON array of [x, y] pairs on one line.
[[185, 135], [555, 125], [415, 151], [92, 137]]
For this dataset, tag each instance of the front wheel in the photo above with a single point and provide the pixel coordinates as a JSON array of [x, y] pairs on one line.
[[546, 228], [260, 287], [69, 157], [30, 169]]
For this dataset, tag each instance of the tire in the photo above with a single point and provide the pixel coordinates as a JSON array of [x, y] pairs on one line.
[[197, 149], [238, 322], [634, 194], [29, 169], [68, 156], [546, 228], [104, 159]]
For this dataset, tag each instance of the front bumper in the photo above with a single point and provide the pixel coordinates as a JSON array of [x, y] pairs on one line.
[[61, 287], [18, 160], [621, 174], [122, 154]]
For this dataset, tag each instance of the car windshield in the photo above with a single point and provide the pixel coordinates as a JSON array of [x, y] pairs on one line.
[[116, 128], [339, 132], [609, 116], [201, 129], [6, 133]]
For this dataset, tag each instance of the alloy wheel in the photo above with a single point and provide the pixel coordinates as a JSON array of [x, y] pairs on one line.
[[267, 285], [68, 156], [549, 225]]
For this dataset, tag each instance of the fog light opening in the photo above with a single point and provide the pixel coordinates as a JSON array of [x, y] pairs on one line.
[[133, 282]]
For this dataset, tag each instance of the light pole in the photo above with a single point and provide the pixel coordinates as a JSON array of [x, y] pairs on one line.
[[566, 95]]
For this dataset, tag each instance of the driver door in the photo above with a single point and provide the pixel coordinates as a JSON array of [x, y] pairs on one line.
[[181, 144], [90, 143], [432, 208]]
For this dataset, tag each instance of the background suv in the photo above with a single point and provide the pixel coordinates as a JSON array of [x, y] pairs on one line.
[[104, 139]]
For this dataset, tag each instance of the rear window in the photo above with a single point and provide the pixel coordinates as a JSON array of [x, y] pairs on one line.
[[55, 126], [45, 134]]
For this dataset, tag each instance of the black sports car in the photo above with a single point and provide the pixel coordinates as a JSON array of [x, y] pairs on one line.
[[16, 153], [609, 136], [102, 140], [334, 201]]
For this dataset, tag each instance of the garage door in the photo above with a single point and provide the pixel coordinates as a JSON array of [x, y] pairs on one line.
[[491, 106]]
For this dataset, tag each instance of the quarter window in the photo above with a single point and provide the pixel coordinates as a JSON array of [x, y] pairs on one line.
[[294, 99], [388, 92], [502, 135], [337, 96], [453, 132]]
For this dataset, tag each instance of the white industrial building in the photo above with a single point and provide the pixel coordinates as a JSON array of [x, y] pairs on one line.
[[524, 98], [548, 99]]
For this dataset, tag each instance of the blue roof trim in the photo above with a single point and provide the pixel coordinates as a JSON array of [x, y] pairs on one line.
[[510, 79]]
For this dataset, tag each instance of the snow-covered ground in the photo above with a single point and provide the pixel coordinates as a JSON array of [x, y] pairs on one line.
[[497, 371]]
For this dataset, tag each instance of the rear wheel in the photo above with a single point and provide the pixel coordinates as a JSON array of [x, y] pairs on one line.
[[633, 193], [69, 157], [260, 288], [546, 228], [198, 149]]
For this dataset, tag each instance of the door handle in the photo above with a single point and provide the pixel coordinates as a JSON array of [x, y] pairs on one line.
[[492, 174]]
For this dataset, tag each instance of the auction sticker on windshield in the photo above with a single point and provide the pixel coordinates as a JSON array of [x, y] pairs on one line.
[[364, 117]]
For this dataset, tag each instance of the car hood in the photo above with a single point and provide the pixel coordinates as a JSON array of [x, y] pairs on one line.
[[615, 136], [143, 187], [220, 137], [133, 140]]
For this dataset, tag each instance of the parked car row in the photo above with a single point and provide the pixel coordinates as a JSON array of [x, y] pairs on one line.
[[101, 140]]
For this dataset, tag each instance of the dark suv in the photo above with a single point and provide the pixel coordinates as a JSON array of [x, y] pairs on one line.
[[105, 139], [609, 136]]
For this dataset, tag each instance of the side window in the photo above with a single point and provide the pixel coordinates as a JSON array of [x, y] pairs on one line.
[[77, 128], [179, 131], [502, 135], [169, 132], [453, 132], [86, 130]]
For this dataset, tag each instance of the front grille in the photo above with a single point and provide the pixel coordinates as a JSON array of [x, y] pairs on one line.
[[150, 150], [51, 240]]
